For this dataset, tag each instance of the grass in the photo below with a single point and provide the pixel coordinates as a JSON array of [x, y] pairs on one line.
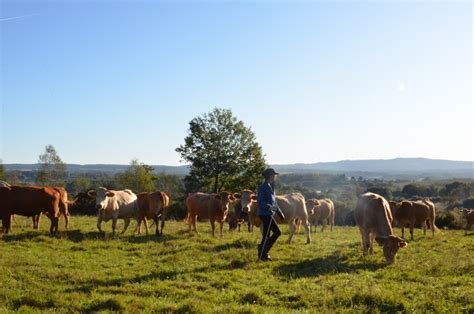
[[82, 271]]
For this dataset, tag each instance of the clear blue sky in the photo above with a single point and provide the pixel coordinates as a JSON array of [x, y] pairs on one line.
[[108, 81]]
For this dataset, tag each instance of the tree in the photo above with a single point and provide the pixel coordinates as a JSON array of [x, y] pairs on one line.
[[223, 153], [52, 170], [2, 171], [138, 177]]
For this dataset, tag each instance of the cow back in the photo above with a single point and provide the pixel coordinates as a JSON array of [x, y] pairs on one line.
[[372, 213]]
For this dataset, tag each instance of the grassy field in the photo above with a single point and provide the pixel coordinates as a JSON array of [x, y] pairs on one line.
[[81, 271]]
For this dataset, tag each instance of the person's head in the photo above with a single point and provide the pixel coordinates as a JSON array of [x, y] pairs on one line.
[[270, 175]]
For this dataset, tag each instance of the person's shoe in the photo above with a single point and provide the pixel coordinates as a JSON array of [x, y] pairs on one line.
[[268, 258]]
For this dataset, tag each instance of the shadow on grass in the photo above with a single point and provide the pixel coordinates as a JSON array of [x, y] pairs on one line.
[[332, 264], [237, 244]]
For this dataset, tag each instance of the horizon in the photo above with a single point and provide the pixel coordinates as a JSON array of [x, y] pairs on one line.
[[105, 83]]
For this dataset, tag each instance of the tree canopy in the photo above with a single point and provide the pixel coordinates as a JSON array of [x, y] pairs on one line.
[[223, 153], [52, 170]]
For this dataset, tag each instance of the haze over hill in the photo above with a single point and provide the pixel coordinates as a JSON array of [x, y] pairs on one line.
[[408, 168]]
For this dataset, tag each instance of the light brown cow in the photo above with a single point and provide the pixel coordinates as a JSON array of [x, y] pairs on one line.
[[207, 206], [293, 206], [411, 212], [323, 213], [469, 215], [63, 209], [248, 201], [372, 215], [152, 206], [29, 201]]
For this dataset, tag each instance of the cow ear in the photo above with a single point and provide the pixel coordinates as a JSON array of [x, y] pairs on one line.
[[254, 197], [237, 195], [92, 193], [402, 244], [110, 194], [231, 198], [380, 240]]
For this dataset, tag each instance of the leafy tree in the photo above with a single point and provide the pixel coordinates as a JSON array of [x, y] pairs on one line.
[[138, 177], [79, 184], [384, 191], [2, 171], [52, 170], [223, 153]]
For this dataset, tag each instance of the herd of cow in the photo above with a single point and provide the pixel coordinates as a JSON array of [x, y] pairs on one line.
[[373, 214]]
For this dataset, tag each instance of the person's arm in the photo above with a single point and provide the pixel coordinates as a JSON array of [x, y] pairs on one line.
[[264, 198]]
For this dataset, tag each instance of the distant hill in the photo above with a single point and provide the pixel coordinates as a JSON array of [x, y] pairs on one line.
[[406, 168]]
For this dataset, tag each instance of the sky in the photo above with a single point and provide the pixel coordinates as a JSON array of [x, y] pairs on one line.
[[316, 81]]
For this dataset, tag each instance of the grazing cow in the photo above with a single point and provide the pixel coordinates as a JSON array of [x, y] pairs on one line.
[[411, 212], [113, 205], [29, 201], [63, 209], [152, 206], [293, 206], [207, 206], [248, 201], [372, 215], [469, 215], [323, 212]]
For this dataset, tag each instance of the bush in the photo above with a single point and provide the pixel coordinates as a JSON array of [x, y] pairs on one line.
[[449, 219]]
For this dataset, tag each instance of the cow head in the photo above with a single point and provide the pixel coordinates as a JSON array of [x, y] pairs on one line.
[[246, 198], [225, 199], [101, 195], [311, 206], [391, 244]]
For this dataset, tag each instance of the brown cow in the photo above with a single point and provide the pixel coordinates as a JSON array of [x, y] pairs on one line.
[[207, 206], [152, 206], [372, 215], [29, 201], [411, 212], [63, 209], [323, 212], [469, 215]]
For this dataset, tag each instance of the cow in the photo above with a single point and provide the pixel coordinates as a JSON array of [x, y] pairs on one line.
[[152, 206], [207, 206], [113, 205], [4, 184], [411, 212], [293, 206], [29, 201], [63, 209], [469, 215], [248, 206], [323, 212], [374, 219]]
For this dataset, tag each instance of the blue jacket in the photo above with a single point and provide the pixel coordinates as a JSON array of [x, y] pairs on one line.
[[265, 199]]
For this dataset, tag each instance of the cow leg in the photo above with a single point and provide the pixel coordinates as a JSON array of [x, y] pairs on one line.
[[99, 222], [157, 230], [308, 231], [127, 222], [190, 224], [147, 228], [423, 226], [371, 243], [213, 226], [194, 223], [162, 224], [114, 224], [332, 222], [221, 227], [324, 225], [292, 231], [412, 226]]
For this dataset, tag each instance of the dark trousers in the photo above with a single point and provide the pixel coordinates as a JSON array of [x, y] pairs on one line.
[[268, 223]]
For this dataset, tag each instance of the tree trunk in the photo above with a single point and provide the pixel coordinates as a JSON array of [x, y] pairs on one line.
[[216, 183]]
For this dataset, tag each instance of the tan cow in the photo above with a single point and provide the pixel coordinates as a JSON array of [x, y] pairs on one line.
[[372, 215], [469, 215], [63, 209], [293, 206], [411, 212], [323, 213], [248, 201], [207, 206], [113, 205], [152, 206]]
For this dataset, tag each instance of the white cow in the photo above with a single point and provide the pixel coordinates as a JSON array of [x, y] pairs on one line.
[[113, 205], [4, 184]]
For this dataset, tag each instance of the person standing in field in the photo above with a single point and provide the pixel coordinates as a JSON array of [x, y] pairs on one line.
[[267, 207]]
